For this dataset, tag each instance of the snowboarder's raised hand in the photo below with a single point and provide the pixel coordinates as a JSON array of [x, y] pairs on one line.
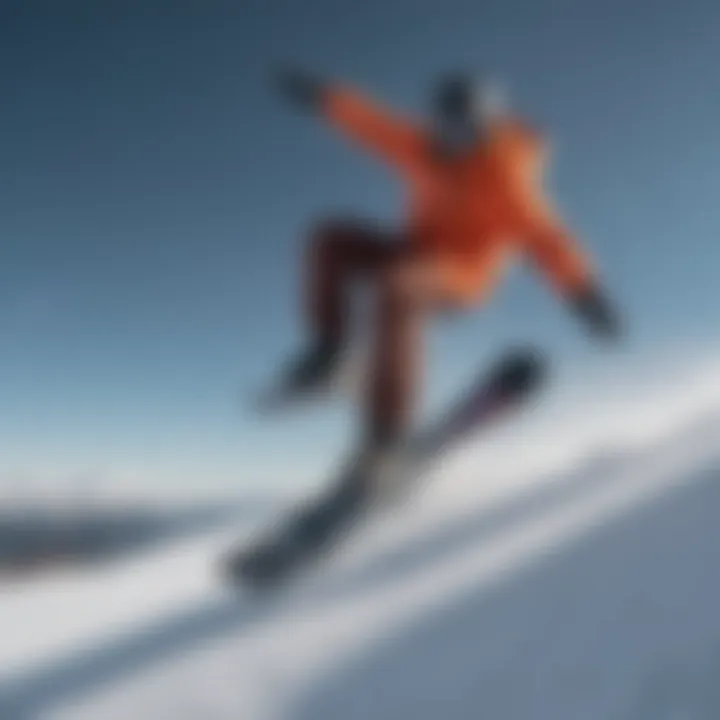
[[594, 308], [303, 89]]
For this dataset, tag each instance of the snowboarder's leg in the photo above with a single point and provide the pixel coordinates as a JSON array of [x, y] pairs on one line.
[[409, 289], [338, 255]]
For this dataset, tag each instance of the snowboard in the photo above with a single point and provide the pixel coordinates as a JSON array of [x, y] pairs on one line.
[[312, 530]]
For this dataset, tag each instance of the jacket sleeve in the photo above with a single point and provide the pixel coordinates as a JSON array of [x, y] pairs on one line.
[[382, 133], [553, 249], [545, 239]]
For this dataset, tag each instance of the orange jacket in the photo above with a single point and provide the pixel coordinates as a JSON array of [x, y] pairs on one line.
[[479, 210]]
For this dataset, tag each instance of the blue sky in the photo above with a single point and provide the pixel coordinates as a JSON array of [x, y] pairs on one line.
[[154, 194]]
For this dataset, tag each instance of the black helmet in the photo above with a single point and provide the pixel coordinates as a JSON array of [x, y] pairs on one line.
[[462, 106]]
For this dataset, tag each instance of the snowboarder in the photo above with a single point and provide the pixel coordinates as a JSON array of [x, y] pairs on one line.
[[475, 179]]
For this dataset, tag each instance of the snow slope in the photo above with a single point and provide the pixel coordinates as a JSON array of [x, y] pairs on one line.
[[570, 585]]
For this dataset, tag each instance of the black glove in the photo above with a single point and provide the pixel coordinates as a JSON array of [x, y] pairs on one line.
[[301, 88], [595, 310]]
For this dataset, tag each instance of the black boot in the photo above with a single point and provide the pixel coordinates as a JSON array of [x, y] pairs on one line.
[[313, 369], [312, 373]]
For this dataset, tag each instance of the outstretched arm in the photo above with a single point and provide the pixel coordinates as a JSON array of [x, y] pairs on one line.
[[559, 256], [373, 127]]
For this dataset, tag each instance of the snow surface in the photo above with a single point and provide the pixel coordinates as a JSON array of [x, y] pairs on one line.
[[576, 580]]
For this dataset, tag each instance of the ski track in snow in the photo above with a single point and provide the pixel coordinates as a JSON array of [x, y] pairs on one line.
[[584, 592]]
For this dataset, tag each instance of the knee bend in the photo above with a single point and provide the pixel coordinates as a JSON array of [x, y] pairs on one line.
[[327, 238]]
